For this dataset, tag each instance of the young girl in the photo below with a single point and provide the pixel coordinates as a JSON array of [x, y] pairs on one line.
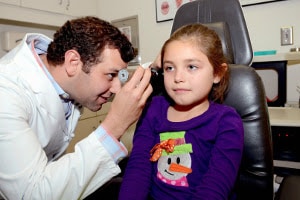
[[186, 145]]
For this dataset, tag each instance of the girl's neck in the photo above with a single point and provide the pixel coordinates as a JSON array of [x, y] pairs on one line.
[[178, 113]]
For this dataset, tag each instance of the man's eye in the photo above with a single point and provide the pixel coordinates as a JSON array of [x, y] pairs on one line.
[[111, 76]]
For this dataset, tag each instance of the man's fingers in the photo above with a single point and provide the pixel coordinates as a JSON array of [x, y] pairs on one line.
[[147, 93], [140, 79], [136, 78], [146, 65], [139, 85]]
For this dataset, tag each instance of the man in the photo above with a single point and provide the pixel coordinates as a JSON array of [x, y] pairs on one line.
[[43, 86]]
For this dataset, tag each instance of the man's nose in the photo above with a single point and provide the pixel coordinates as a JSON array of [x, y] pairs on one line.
[[115, 86]]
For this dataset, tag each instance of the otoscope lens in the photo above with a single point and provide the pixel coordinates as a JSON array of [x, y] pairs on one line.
[[123, 75]]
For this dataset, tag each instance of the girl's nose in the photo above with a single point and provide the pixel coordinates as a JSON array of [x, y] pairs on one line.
[[178, 76]]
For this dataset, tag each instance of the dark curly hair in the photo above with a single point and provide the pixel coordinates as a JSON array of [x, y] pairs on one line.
[[88, 36]]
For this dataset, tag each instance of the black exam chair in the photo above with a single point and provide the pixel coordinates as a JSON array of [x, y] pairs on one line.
[[246, 91]]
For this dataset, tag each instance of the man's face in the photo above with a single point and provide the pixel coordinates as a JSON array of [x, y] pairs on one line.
[[94, 89]]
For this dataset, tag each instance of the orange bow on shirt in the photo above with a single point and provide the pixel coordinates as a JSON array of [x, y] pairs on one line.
[[156, 151]]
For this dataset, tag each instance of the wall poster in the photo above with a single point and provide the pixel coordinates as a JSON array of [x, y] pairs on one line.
[[166, 9]]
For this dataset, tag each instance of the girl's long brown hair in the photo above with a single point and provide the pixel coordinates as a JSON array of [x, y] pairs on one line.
[[209, 43]]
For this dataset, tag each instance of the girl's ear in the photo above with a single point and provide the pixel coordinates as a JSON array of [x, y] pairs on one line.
[[72, 62], [219, 76]]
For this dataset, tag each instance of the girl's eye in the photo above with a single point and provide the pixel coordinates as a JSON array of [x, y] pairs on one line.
[[192, 67], [169, 68]]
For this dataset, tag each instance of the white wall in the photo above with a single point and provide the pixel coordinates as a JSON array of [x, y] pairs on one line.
[[6, 25], [152, 34], [264, 22]]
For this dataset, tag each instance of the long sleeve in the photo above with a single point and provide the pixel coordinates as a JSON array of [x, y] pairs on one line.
[[222, 160], [137, 178], [25, 172]]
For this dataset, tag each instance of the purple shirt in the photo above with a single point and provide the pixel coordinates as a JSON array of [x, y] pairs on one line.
[[209, 145]]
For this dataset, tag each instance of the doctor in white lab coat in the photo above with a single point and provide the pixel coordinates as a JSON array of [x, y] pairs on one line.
[[40, 103]]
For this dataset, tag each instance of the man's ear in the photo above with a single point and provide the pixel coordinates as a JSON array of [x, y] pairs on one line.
[[72, 62]]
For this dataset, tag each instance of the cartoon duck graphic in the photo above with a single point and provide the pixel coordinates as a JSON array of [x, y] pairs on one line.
[[173, 156]]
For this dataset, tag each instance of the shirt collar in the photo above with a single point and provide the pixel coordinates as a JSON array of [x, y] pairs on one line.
[[38, 47]]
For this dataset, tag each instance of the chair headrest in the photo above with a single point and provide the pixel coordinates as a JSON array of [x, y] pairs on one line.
[[228, 15], [221, 28]]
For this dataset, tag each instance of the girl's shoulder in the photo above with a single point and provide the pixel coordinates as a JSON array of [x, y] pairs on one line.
[[222, 107]]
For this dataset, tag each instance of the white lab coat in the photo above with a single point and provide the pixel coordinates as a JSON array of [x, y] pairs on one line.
[[34, 136]]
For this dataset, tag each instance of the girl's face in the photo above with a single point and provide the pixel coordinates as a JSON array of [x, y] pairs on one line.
[[188, 75]]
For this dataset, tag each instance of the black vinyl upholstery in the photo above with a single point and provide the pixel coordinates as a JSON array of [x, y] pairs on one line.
[[229, 12], [245, 93]]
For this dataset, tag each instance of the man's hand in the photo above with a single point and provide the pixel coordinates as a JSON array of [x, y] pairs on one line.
[[157, 62], [128, 103]]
